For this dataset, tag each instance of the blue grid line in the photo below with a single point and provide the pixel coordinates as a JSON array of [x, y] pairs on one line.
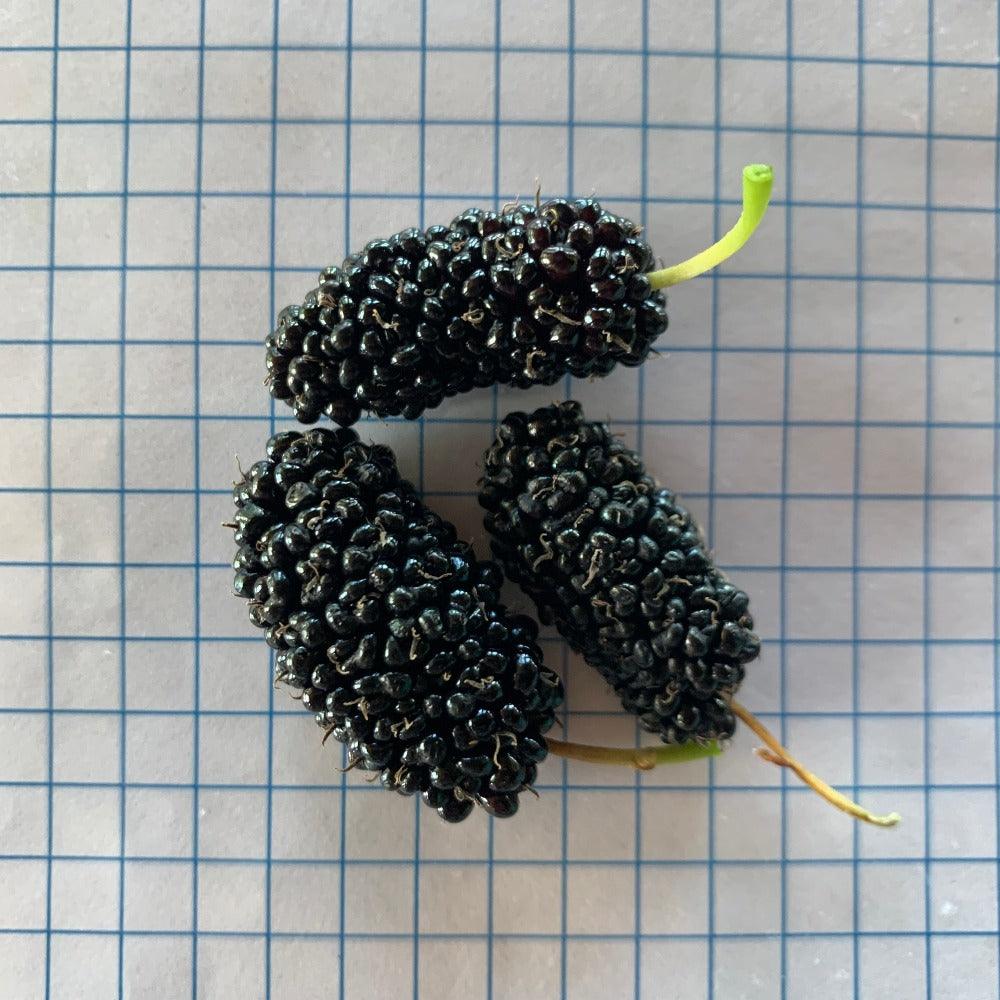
[[789, 182], [348, 99], [271, 302], [713, 415], [856, 507], [122, 589], [928, 478], [724, 54], [996, 487], [196, 473], [49, 546]]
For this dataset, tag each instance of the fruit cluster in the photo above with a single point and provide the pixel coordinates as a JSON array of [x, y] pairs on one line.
[[620, 568], [520, 297], [391, 628]]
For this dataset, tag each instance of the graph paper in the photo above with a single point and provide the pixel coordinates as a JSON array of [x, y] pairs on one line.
[[173, 172]]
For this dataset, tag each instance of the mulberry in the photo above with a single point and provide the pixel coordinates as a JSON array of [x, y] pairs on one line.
[[620, 568], [519, 297], [389, 626]]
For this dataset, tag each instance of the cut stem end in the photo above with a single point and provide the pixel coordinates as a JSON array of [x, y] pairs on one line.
[[777, 754], [758, 179]]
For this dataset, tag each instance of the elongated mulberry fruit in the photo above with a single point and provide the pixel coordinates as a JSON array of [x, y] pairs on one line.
[[620, 568], [518, 297], [389, 626]]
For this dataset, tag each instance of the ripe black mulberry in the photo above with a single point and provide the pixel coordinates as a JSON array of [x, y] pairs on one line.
[[519, 297], [620, 568], [389, 626]]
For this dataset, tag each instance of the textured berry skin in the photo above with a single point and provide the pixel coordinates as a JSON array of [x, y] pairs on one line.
[[620, 568], [389, 626], [520, 297]]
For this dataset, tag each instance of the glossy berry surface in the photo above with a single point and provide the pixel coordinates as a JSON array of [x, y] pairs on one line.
[[620, 568], [389, 626], [519, 297]]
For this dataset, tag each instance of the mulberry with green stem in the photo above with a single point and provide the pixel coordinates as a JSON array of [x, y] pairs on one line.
[[519, 297]]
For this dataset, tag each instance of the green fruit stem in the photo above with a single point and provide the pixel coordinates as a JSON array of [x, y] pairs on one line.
[[758, 179]]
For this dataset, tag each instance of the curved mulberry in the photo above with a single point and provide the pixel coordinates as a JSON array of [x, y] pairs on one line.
[[620, 568], [519, 297], [389, 626]]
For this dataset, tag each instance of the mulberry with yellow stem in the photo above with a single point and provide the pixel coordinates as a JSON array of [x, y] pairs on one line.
[[519, 297], [620, 568]]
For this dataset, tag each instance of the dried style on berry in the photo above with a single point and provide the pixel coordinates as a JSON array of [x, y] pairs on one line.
[[519, 297], [620, 568], [389, 626]]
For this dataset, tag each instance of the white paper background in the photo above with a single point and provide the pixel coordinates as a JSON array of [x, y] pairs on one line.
[[169, 826]]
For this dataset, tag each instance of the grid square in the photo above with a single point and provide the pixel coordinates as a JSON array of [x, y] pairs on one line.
[[450, 24], [24, 820], [165, 22], [750, 386], [958, 961], [963, 824], [820, 899], [163, 960], [458, 158], [526, 899], [748, 89], [85, 601], [230, 897], [747, 532], [605, 967], [825, 95], [84, 378], [309, 159], [241, 666], [824, 29], [87, 748], [895, 315], [891, 897], [613, 885], [459, 85], [236, 157], [232, 823], [964, 32], [159, 822], [84, 967], [232, 964], [685, 89], [962, 173], [804, 589], [159, 305], [824, 167], [163, 84], [238, 83], [961, 533], [449, 974], [605, 842], [958, 675], [86, 305], [823, 314], [892, 460], [88, 231], [301, 897], [683, 392], [963, 896], [900, 959], [145, 735], [538, 838], [24, 883], [253, 26], [158, 896], [526, 969], [22, 452], [818, 678], [159, 454], [954, 111], [895, 170], [453, 899], [820, 459], [747, 826], [534, 85], [24, 742], [383, 23], [527, 23], [86, 675], [893, 387], [894, 242], [822, 386], [82, 22], [26, 293], [379, 899], [306, 824], [28, 93], [895, 98], [891, 750], [84, 895], [159, 602], [820, 968], [91, 84], [733, 475], [89, 157], [825, 240], [381, 80], [961, 606], [891, 677], [895, 32], [160, 231], [217, 762], [963, 390], [173, 537], [750, 314], [594, 100], [310, 84], [158, 380], [28, 24], [235, 232], [975, 735], [747, 899]]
